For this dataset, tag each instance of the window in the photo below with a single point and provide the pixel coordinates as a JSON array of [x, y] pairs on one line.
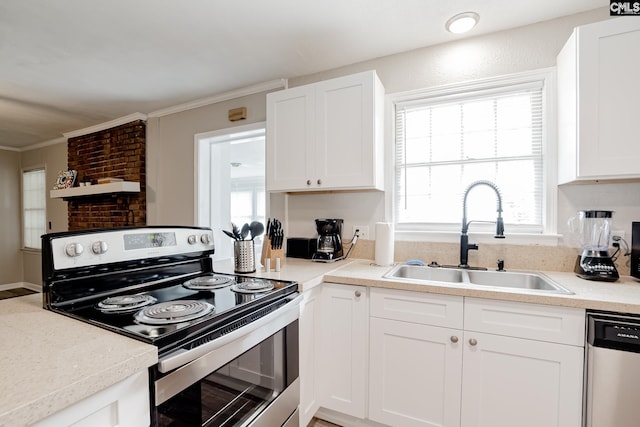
[[447, 139], [231, 182], [33, 208]]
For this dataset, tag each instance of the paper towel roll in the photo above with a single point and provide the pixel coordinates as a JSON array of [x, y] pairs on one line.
[[384, 243]]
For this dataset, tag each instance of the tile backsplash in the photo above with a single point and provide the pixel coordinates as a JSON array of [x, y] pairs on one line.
[[516, 257]]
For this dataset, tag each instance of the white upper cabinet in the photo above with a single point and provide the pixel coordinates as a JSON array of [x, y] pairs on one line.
[[326, 136], [598, 102]]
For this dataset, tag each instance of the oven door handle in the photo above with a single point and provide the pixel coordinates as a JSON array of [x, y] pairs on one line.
[[275, 320]]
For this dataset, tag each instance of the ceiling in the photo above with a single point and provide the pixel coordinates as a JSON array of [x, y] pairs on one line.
[[70, 64]]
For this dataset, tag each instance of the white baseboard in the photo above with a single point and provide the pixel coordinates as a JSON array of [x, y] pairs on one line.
[[345, 420], [26, 285]]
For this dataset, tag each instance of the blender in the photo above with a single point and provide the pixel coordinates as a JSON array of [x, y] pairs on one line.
[[594, 262]]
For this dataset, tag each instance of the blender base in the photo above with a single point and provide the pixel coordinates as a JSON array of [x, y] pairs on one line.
[[596, 268]]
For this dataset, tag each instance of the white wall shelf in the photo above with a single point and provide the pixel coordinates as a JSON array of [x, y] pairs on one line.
[[90, 190]]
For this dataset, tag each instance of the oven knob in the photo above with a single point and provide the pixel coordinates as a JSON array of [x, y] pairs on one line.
[[99, 247], [205, 239], [192, 239], [74, 249]]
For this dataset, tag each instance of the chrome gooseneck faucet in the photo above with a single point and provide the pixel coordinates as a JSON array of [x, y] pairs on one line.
[[465, 246]]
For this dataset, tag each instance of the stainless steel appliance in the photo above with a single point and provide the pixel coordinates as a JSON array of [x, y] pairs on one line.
[[612, 387], [635, 249], [227, 344], [329, 243], [594, 262]]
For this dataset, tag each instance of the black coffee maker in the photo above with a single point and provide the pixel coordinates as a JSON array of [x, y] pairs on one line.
[[329, 247]]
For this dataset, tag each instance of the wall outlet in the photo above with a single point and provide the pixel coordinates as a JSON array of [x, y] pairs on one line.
[[618, 233], [363, 231]]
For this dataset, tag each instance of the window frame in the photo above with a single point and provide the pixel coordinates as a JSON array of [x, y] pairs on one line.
[[23, 171], [423, 232]]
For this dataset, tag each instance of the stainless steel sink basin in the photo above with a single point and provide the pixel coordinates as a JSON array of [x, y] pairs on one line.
[[515, 280], [518, 281], [425, 274]]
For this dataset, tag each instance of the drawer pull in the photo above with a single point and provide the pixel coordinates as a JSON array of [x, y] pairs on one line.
[[473, 342], [454, 339], [358, 294]]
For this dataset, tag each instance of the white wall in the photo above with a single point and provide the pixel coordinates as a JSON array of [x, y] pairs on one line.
[[522, 49], [170, 155], [54, 159], [10, 256]]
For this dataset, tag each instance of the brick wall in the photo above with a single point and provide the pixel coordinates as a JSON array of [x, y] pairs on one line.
[[118, 152]]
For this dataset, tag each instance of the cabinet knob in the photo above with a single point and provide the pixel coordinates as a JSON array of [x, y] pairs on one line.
[[454, 339], [319, 182], [308, 182], [358, 294], [473, 342]]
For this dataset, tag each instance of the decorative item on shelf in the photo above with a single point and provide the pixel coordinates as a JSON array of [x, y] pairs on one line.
[[109, 180], [65, 179]]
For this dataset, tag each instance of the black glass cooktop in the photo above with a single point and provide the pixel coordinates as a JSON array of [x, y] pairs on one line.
[[230, 302]]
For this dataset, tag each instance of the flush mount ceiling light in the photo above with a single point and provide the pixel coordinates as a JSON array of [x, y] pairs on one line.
[[462, 22]]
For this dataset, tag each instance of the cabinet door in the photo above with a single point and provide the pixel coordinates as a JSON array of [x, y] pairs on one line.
[[516, 382], [598, 102], [124, 404], [349, 144], [344, 349], [290, 139], [415, 374], [309, 354]]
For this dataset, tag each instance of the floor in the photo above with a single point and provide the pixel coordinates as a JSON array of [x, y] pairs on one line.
[[321, 423], [16, 292]]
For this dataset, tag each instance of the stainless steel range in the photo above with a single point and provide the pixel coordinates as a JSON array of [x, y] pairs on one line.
[[227, 344]]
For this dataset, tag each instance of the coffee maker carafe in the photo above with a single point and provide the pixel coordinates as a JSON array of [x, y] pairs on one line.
[[329, 247], [594, 262]]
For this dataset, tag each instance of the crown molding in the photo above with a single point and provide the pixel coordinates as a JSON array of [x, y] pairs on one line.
[[106, 125], [44, 144], [2, 147], [236, 93]]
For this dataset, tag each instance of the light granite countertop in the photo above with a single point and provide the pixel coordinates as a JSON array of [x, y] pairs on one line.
[[621, 296], [49, 361]]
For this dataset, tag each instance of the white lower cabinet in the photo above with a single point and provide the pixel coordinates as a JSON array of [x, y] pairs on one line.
[[309, 325], [344, 344], [415, 374], [519, 382], [515, 364], [125, 404]]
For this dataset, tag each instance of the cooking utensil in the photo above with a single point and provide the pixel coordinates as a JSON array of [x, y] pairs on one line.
[[245, 231], [236, 231], [230, 234], [256, 228]]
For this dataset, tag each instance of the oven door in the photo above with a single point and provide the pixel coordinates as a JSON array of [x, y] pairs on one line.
[[248, 377]]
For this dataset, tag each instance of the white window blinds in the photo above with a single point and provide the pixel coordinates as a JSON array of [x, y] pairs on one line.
[[446, 142], [33, 208]]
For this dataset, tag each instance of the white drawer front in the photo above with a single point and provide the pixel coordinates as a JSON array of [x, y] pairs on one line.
[[564, 325], [417, 307]]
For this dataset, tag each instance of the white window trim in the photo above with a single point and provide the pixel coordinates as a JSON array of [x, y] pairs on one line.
[[24, 248], [549, 237]]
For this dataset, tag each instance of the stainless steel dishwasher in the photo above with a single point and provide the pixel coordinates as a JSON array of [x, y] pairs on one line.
[[612, 390]]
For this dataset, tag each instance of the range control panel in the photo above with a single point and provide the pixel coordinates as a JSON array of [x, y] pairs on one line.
[[73, 250]]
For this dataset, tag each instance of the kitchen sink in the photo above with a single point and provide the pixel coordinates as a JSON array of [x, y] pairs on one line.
[[419, 273], [515, 280], [519, 281]]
